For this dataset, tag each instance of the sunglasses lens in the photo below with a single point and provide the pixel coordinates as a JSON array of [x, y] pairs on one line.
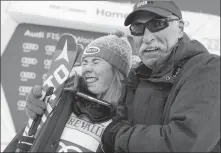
[[153, 25], [156, 25], [137, 29]]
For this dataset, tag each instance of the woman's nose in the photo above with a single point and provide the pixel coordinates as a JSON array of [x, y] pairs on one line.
[[87, 68]]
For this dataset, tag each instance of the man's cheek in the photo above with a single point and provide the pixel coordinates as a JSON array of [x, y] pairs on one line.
[[137, 43]]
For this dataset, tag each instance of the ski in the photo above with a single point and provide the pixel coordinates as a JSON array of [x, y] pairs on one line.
[[65, 55]]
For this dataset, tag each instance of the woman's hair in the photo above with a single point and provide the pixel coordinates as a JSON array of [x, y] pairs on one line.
[[116, 89]]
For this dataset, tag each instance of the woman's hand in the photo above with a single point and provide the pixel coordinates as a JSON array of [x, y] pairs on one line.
[[35, 106]]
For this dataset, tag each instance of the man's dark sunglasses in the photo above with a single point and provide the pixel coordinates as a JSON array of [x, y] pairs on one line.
[[154, 25]]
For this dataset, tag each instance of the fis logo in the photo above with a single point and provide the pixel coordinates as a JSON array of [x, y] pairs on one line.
[[24, 90], [47, 63], [21, 105], [27, 61], [28, 47], [50, 49], [27, 75]]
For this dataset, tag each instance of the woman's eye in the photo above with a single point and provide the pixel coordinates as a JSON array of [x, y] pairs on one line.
[[96, 61], [83, 63]]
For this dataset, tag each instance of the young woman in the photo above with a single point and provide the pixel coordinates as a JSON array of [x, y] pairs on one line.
[[105, 62]]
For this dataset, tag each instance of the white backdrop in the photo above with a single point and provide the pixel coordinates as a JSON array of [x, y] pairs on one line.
[[7, 126]]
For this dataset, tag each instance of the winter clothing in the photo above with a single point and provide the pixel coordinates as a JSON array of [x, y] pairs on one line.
[[174, 108], [50, 134], [115, 50], [95, 112], [107, 137]]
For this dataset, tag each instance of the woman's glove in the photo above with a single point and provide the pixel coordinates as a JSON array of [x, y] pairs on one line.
[[35, 106], [73, 83]]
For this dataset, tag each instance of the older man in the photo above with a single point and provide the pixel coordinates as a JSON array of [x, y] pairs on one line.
[[173, 96]]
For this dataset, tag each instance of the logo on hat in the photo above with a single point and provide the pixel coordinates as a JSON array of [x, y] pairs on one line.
[[144, 3], [92, 50]]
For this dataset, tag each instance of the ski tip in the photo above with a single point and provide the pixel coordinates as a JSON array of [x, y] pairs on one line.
[[69, 40]]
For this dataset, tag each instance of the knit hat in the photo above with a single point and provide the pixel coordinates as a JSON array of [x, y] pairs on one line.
[[116, 50]]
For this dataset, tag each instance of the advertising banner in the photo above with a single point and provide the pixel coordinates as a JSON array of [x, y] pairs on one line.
[[26, 61]]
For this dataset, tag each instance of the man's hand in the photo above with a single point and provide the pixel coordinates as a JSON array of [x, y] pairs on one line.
[[110, 132]]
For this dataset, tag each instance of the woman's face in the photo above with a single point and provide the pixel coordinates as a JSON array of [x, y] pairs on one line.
[[97, 73]]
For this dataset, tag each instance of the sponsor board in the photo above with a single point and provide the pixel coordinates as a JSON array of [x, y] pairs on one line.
[[26, 60]]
